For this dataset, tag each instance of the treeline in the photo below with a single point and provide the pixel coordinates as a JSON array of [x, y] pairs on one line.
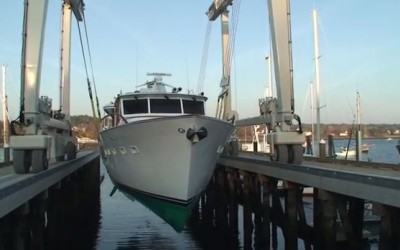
[[337, 130], [367, 130], [84, 126]]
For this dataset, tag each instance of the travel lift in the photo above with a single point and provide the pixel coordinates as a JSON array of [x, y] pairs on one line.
[[277, 113], [42, 134]]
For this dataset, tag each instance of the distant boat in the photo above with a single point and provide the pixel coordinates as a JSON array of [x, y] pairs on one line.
[[365, 148], [161, 143], [389, 139], [345, 151]]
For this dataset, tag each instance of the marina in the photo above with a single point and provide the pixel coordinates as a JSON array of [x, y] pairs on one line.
[[191, 233]]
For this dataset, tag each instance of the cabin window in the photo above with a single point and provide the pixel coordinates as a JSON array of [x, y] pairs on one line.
[[165, 106], [193, 107], [135, 106]]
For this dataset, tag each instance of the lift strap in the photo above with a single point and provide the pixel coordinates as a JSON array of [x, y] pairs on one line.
[[97, 125]]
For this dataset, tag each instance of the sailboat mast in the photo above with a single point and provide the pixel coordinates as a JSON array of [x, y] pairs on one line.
[[5, 114], [312, 116], [270, 91], [358, 136], [317, 77], [358, 111]]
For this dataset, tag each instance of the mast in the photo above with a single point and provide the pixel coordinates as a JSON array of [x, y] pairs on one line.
[[317, 76], [312, 116], [269, 91], [6, 134], [358, 135]]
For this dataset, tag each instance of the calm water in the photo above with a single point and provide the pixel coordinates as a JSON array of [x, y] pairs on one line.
[[381, 150], [129, 225]]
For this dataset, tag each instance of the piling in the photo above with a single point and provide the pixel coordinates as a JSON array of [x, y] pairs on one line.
[[291, 215]]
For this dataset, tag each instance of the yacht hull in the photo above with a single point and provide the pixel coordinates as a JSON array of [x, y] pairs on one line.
[[171, 158]]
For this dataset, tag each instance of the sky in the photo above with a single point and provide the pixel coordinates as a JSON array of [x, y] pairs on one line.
[[359, 43]]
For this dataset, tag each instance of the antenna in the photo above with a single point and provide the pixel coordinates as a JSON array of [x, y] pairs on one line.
[[187, 73], [158, 74], [137, 66]]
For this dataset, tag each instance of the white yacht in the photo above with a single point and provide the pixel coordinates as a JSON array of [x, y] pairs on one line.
[[161, 143]]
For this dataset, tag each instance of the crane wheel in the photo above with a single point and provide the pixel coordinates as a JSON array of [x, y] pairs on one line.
[[281, 154], [295, 154], [39, 160], [22, 161]]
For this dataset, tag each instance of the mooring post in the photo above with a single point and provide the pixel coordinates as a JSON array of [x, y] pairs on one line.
[[208, 202], [38, 209], [255, 146], [247, 213], [54, 216], [277, 217], [5, 225], [291, 197], [331, 147], [317, 220], [322, 149], [21, 228], [389, 227], [6, 154], [221, 210], [233, 205], [356, 213], [343, 206], [309, 147], [265, 206], [232, 180], [328, 206], [304, 229], [259, 233]]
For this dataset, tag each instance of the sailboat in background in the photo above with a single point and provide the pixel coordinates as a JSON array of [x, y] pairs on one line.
[[364, 148]]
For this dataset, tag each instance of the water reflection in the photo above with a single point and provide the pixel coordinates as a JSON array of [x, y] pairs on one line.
[[238, 210], [176, 215]]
